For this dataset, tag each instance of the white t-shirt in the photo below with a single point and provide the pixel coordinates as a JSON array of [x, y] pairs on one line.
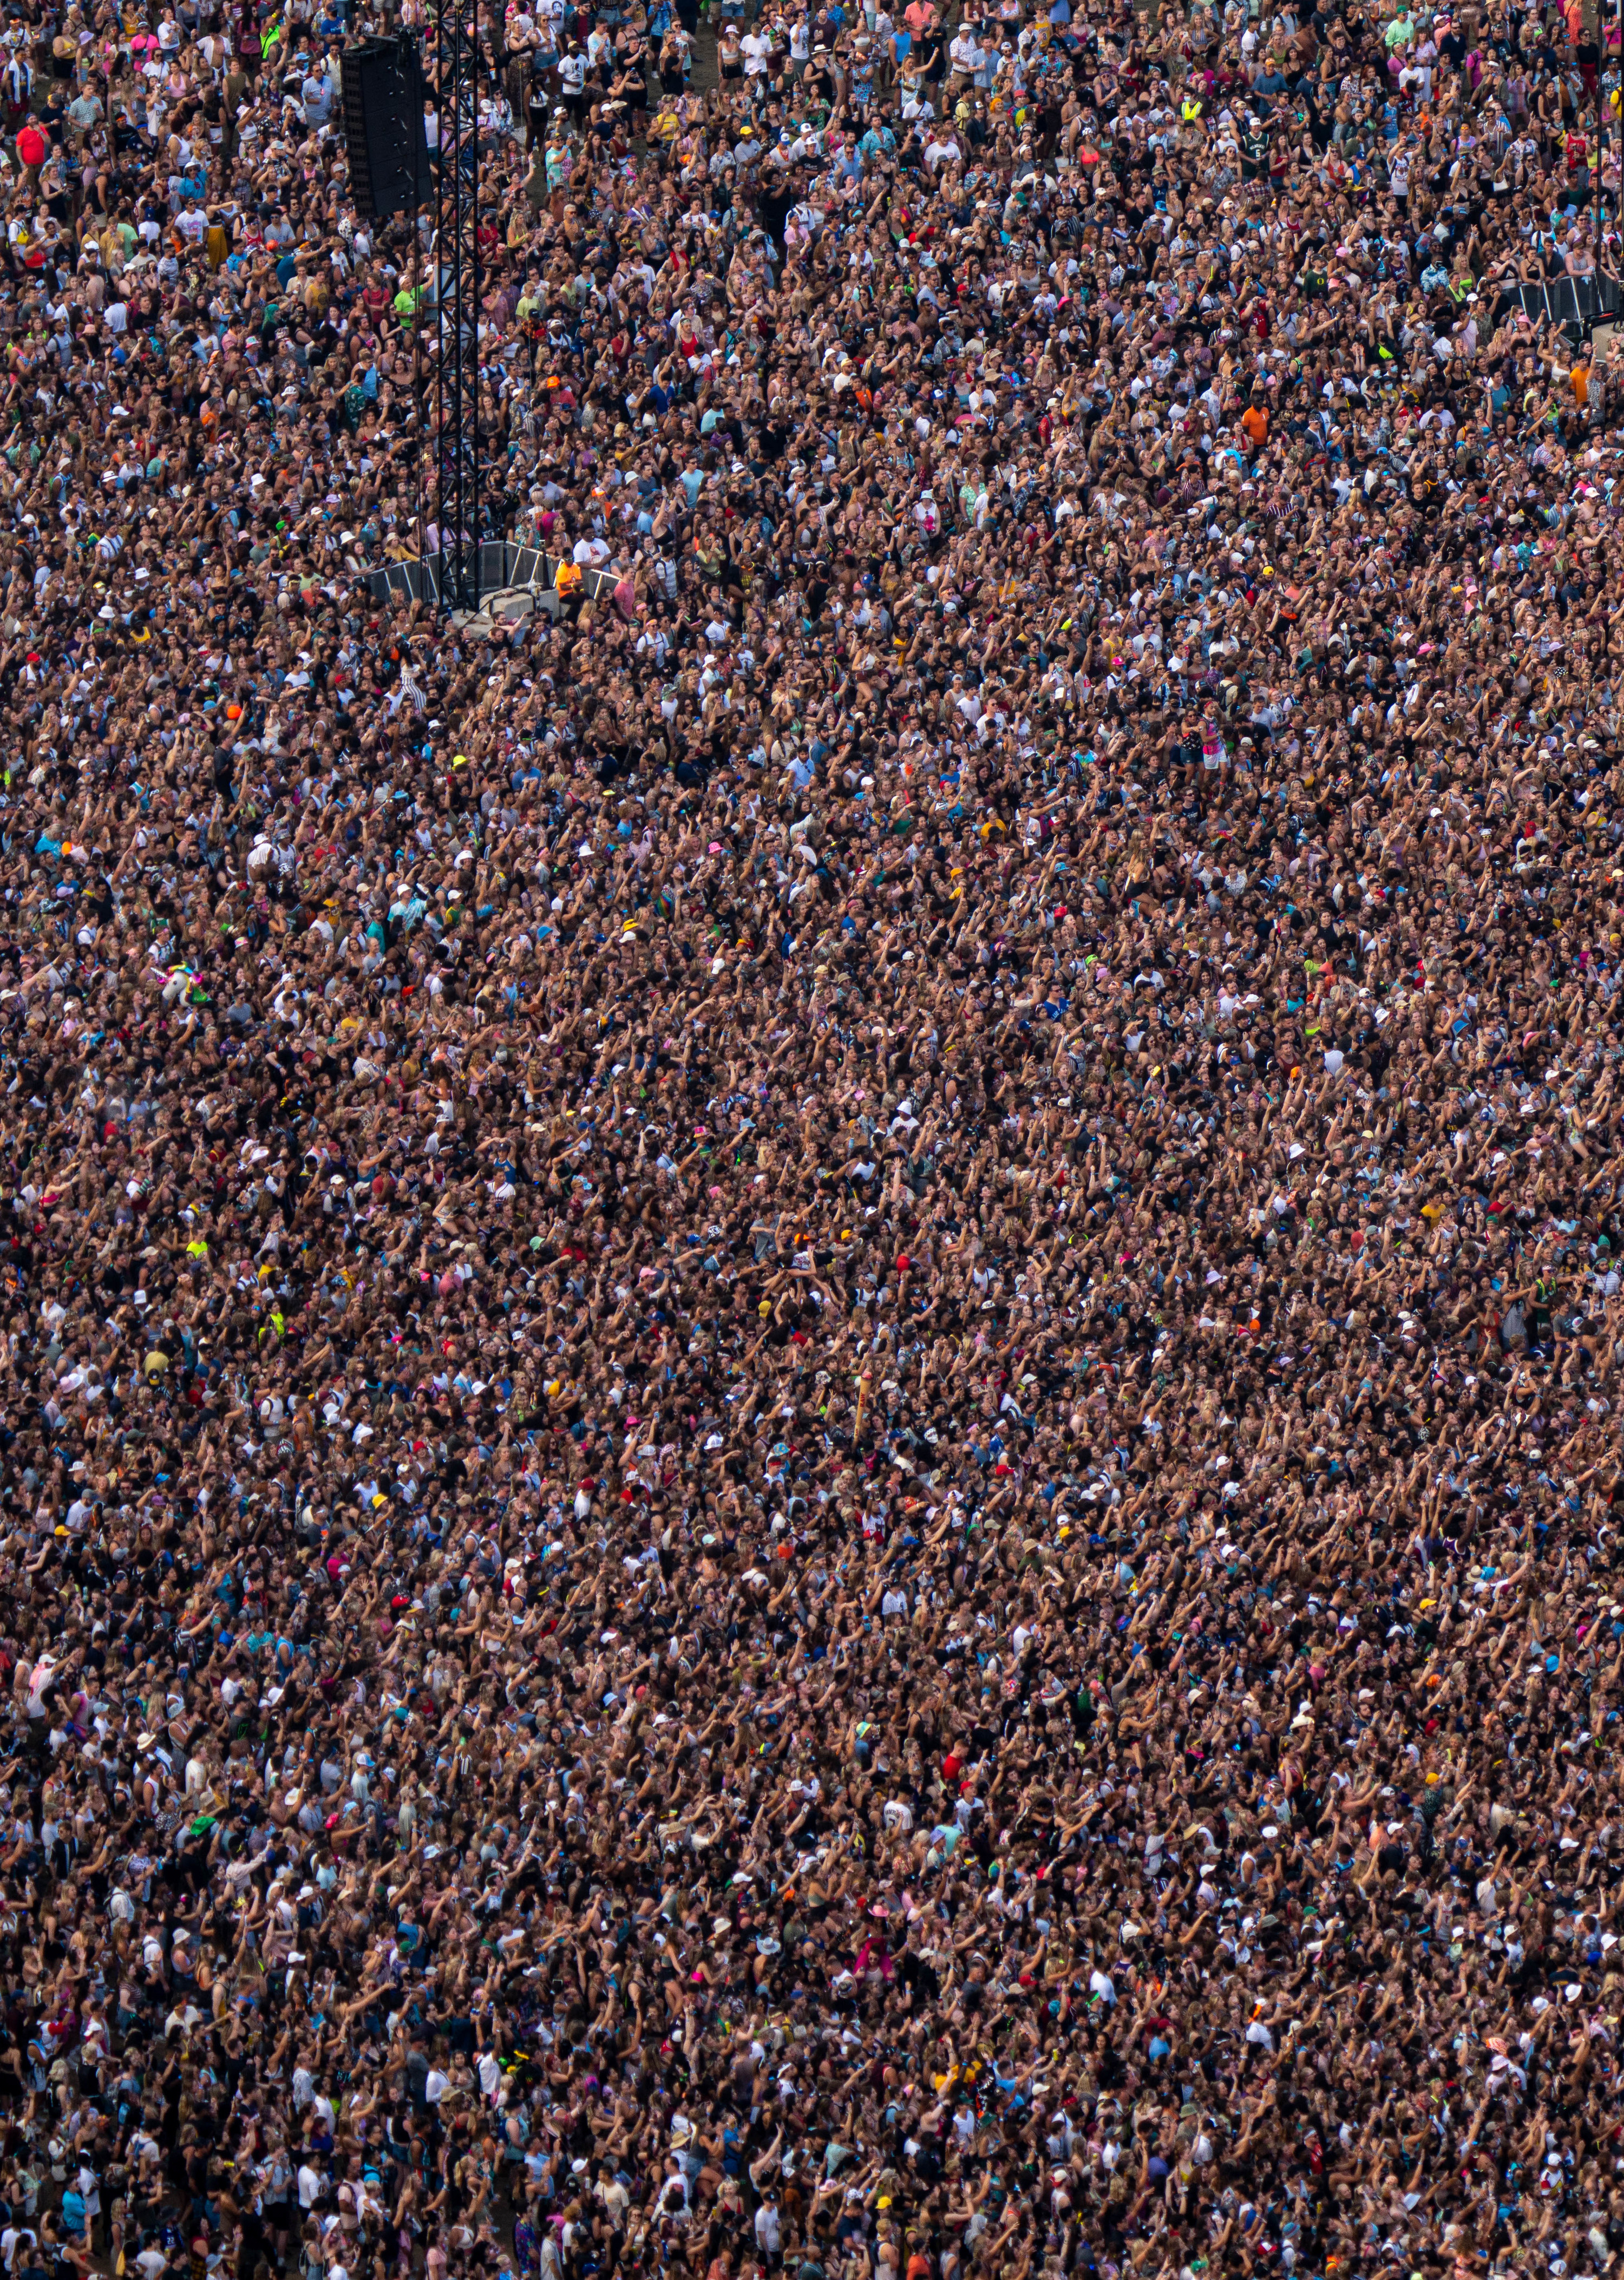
[[756, 49]]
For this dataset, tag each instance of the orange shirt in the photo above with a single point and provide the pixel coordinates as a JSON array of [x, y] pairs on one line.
[[1255, 420]]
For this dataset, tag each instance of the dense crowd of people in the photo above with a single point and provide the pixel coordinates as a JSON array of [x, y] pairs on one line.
[[810, 1382]]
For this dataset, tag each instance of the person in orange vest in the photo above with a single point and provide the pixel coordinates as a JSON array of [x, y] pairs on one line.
[[568, 584]]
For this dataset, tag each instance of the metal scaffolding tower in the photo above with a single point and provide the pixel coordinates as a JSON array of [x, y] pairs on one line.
[[456, 305]]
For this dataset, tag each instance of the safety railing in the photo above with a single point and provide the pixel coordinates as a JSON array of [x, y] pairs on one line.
[[502, 566]]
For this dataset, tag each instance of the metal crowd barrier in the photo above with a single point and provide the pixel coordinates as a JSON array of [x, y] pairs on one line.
[[1575, 304], [502, 566]]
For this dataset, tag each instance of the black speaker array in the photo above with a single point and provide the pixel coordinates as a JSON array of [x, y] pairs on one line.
[[384, 136]]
